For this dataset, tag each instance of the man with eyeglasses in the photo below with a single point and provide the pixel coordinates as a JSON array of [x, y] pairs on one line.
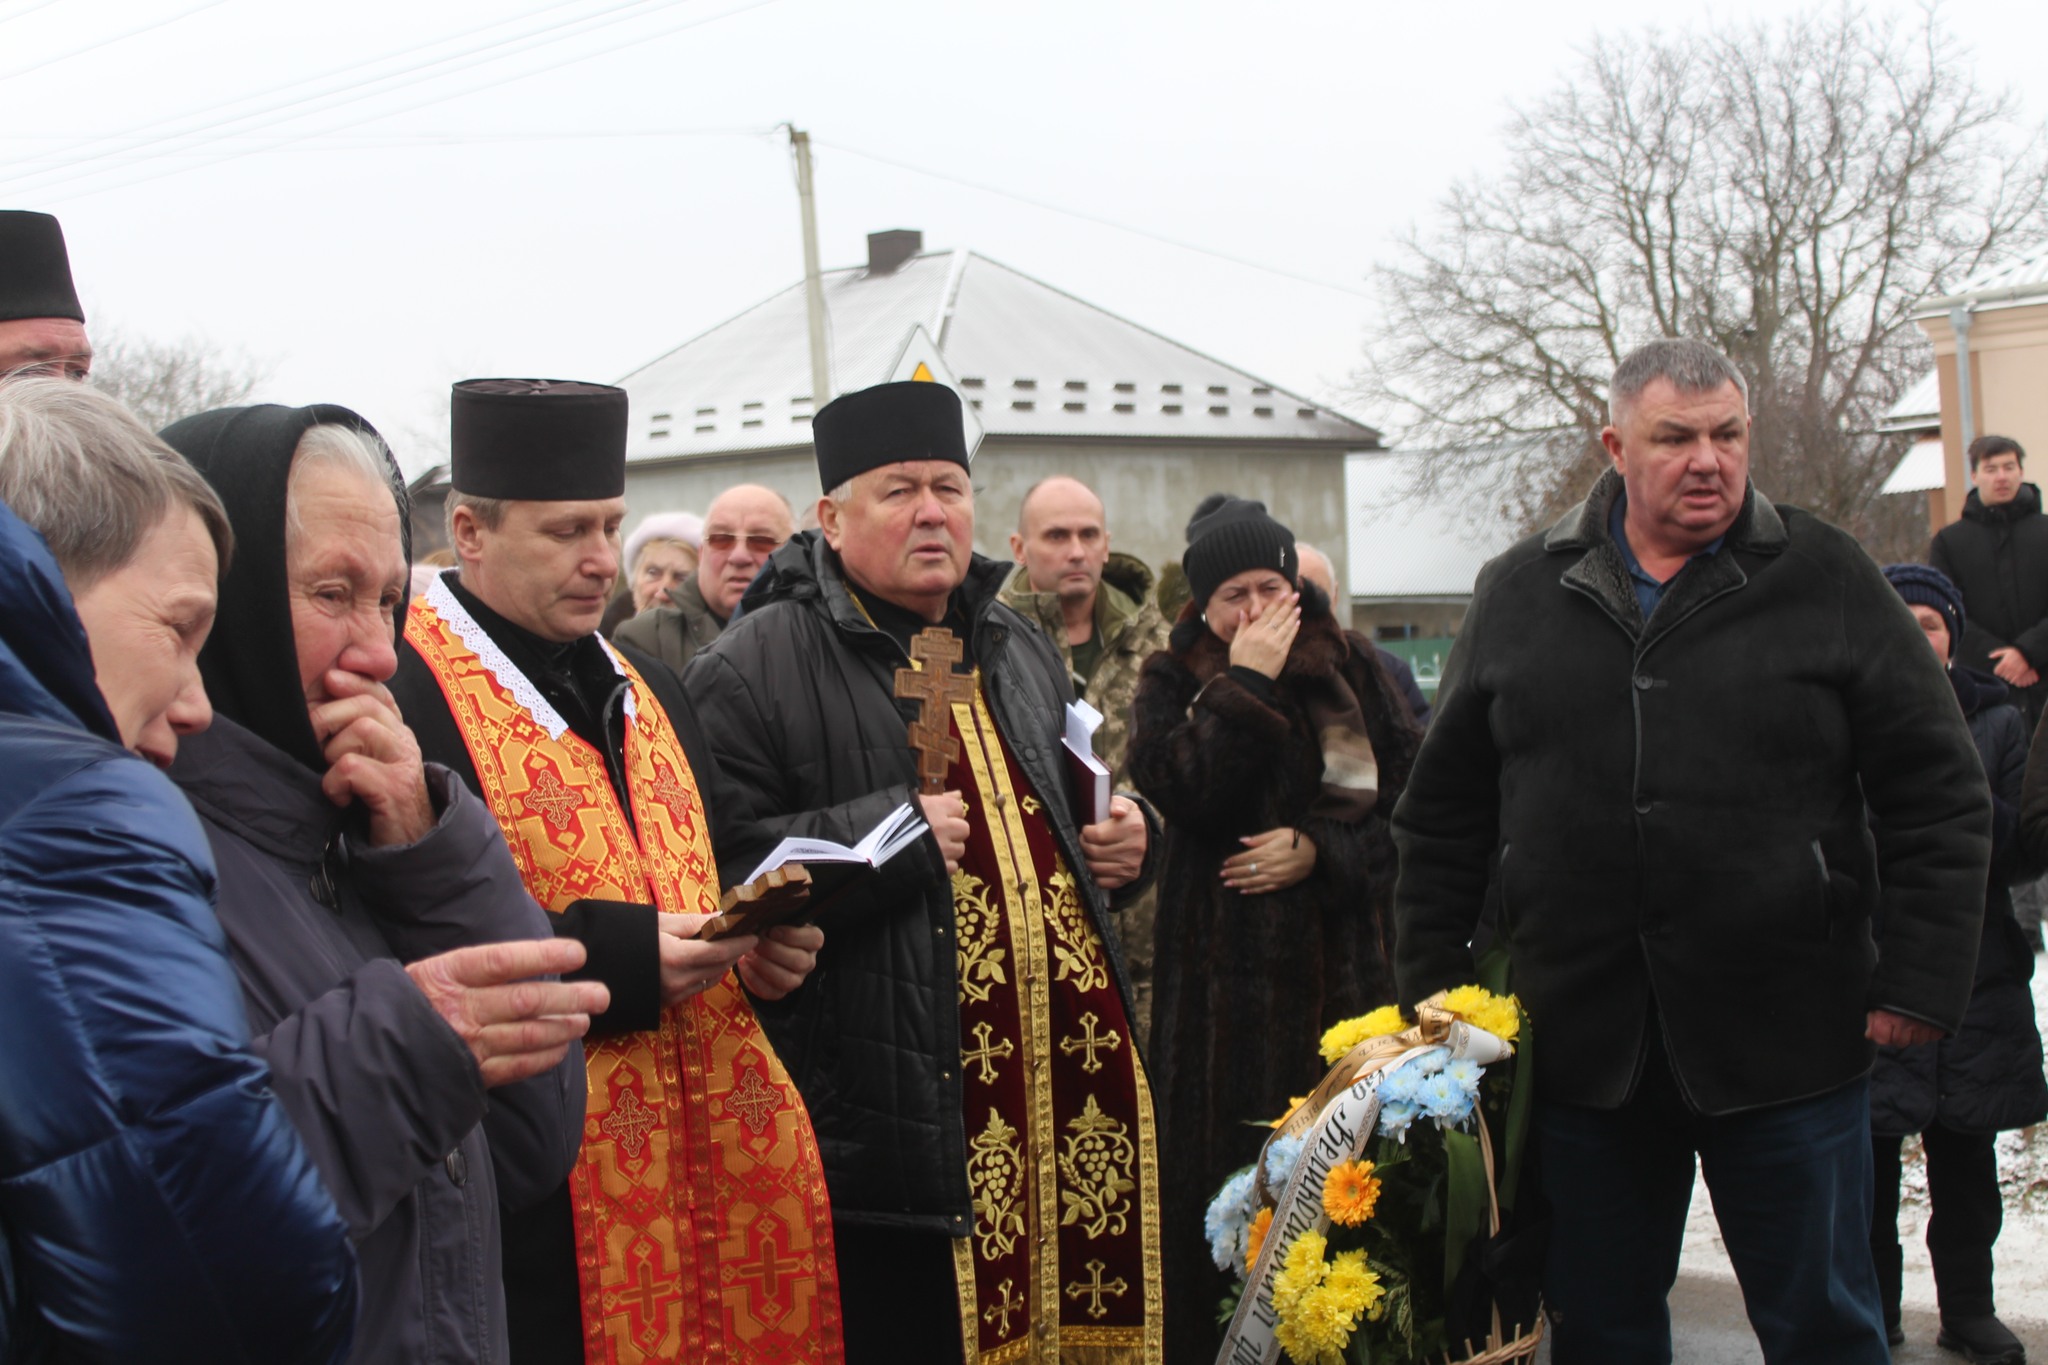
[[42, 325], [744, 526]]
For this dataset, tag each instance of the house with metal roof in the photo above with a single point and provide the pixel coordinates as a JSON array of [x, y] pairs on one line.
[[1053, 384], [1990, 376]]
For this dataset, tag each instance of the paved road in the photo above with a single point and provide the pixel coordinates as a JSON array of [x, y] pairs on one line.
[[1708, 1328]]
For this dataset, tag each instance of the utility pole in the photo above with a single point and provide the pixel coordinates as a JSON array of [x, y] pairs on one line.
[[814, 287]]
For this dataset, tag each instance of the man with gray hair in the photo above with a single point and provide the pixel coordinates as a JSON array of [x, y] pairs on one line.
[[1657, 733]]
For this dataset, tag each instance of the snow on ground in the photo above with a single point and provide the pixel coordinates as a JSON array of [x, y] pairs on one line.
[[2022, 1251]]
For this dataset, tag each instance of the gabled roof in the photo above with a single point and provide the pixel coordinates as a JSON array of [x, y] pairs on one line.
[[2015, 284], [1919, 406], [1037, 362], [1405, 545]]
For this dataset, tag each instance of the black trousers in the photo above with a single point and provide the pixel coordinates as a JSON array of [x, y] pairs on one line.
[[897, 1299], [1964, 1218]]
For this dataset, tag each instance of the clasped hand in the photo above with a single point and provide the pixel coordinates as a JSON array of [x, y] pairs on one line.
[[1272, 861], [770, 965]]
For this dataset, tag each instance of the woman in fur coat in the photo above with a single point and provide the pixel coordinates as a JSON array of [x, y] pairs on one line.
[[1274, 750]]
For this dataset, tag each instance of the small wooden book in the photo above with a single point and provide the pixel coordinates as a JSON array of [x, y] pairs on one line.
[[780, 896]]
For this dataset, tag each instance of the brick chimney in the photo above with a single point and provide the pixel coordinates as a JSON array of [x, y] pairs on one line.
[[888, 250]]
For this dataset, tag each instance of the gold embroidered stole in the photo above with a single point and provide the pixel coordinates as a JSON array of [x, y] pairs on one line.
[[702, 1223], [1063, 1263]]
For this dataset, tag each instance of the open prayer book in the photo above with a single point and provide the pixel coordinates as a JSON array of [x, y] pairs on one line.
[[801, 876]]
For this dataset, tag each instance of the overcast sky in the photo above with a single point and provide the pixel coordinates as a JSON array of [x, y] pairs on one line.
[[376, 215]]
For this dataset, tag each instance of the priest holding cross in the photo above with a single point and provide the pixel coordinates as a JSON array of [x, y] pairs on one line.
[[964, 1047]]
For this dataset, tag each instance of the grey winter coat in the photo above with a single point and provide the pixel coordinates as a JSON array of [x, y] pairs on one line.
[[673, 634], [388, 1098]]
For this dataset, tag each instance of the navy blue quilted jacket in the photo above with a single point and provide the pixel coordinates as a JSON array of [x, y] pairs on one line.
[[155, 1202]]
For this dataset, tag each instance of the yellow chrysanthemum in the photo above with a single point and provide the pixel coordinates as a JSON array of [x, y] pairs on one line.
[[1341, 1038], [1255, 1237], [1293, 1104], [1500, 1015], [1301, 1270], [1350, 1192], [1355, 1286]]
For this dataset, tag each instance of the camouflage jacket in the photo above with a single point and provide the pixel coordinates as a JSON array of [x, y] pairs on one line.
[[1130, 628]]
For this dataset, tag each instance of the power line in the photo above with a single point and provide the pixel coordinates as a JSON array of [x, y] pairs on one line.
[[150, 27], [144, 140], [439, 98], [1097, 219]]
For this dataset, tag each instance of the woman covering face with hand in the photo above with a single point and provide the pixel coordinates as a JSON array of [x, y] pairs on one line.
[[1274, 748], [393, 964]]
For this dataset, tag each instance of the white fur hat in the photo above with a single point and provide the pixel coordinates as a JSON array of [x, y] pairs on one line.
[[687, 527]]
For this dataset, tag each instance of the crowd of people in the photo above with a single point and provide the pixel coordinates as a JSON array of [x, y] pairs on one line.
[[364, 911]]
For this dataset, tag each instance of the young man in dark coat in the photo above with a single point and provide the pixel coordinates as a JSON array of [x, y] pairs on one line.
[[1997, 556], [1660, 724], [1965, 1090], [969, 1019]]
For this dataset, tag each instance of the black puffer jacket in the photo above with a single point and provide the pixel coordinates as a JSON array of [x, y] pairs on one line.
[[1676, 811], [797, 697], [1998, 556], [1987, 1077]]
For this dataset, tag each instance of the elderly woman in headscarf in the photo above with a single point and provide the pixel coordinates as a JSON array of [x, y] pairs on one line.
[[1274, 748], [385, 943], [157, 1203]]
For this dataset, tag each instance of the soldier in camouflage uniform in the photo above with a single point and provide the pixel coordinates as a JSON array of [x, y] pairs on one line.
[[1097, 607]]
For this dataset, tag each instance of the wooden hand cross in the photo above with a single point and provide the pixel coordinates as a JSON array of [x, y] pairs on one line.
[[935, 687]]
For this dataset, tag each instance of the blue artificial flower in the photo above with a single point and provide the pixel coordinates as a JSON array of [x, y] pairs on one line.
[[1466, 1073], [1280, 1159], [1400, 1086], [1429, 1062], [1445, 1100], [1394, 1120], [1228, 1219]]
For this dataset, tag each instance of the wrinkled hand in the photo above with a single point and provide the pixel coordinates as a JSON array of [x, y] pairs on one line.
[[689, 965], [514, 1026], [786, 955], [372, 758], [946, 813], [1897, 1030], [2011, 665], [1271, 862], [1115, 848], [1262, 642]]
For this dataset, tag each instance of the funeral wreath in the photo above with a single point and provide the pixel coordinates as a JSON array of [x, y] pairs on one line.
[[1379, 1225]]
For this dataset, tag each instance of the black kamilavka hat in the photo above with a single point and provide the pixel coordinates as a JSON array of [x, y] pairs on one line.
[[913, 419], [35, 269], [537, 440]]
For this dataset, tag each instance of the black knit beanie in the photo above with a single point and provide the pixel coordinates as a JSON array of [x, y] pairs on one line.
[[1237, 536], [1924, 586]]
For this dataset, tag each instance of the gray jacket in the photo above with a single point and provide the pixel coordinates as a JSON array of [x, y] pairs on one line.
[[387, 1097], [673, 634]]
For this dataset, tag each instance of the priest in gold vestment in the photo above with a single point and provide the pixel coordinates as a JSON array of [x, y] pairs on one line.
[[964, 1046], [695, 1227]]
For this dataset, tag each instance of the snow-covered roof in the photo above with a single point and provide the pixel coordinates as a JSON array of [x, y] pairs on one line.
[[1919, 469], [1919, 406], [1405, 545], [2012, 285], [1036, 362]]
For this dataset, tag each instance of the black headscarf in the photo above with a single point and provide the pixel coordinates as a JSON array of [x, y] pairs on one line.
[[251, 663]]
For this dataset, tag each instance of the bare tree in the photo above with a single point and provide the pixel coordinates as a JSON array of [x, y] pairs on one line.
[[164, 381], [1788, 191]]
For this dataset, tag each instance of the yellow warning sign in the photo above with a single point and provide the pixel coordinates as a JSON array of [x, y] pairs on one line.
[[923, 373]]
